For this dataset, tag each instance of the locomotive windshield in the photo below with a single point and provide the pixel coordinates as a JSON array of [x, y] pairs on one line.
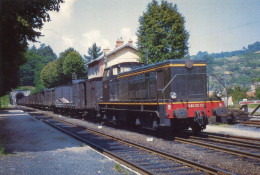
[[189, 83], [190, 86]]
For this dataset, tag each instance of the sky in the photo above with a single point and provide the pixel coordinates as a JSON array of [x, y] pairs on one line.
[[214, 25]]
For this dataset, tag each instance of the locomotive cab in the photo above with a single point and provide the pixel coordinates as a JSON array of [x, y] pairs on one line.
[[186, 96]]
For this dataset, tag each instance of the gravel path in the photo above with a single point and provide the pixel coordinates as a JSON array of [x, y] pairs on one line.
[[32, 147]]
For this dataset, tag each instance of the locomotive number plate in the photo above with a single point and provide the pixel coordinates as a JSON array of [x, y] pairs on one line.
[[196, 105]]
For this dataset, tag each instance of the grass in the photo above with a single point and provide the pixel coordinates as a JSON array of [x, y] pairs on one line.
[[2, 150], [221, 124], [126, 172], [253, 105], [26, 88], [4, 101], [118, 168]]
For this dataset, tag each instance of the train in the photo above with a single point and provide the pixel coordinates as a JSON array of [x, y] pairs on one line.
[[171, 95]]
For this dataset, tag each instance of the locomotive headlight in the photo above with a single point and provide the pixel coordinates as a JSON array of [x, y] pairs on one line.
[[173, 95]]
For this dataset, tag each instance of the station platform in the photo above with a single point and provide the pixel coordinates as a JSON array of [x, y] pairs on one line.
[[28, 146]]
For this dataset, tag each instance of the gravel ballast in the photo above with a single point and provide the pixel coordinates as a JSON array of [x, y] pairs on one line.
[[32, 147], [224, 161]]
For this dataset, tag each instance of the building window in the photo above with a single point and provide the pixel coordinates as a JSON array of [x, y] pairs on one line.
[[115, 71], [96, 70]]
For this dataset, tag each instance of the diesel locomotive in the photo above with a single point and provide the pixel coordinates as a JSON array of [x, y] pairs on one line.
[[172, 95]]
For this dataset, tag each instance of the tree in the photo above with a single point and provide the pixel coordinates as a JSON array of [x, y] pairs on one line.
[[162, 33], [20, 22], [59, 66], [29, 73], [47, 52], [73, 63], [237, 92], [94, 52], [210, 61], [257, 92], [59, 72], [46, 77]]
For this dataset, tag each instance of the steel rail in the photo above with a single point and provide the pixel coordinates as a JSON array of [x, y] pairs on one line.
[[234, 139], [228, 141], [251, 122], [192, 164], [220, 148], [232, 136], [252, 125]]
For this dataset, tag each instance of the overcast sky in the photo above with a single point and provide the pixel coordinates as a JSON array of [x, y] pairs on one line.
[[213, 25]]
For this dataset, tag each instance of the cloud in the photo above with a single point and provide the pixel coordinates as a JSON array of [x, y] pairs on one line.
[[127, 34], [91, 37], [69, 41]]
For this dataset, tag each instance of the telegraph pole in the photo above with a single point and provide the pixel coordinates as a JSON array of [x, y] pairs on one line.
[[225, 82]]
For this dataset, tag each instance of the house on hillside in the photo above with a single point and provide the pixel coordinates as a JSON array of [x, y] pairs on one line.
[[123, 53]]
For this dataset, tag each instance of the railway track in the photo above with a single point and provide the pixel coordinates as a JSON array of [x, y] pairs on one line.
[[251, 123], [239, 138], [138, 157], [239, 146]]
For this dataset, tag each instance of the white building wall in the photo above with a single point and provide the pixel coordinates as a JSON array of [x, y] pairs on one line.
[[123, 55]]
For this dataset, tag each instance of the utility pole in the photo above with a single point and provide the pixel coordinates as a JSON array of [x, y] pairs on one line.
[[146, 55], [225, 82]]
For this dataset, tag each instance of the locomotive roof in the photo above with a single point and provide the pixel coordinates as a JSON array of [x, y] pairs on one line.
[[173, 62]]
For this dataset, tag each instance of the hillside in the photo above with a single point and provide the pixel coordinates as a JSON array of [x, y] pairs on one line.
[[242, 68]]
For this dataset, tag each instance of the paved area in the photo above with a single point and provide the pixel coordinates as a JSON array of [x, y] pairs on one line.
[[32, 147], [237, 130]]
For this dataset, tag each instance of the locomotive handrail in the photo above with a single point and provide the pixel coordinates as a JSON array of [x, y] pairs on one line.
[[193, 74]]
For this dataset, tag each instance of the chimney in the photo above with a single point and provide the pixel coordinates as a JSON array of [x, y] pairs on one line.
[[130, 42], [106, 51], [119, 42]]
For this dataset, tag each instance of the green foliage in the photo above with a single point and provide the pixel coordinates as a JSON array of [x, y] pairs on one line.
[[59, 72], [73, 63], [20, 22], [241, 70], [250, 49], [162, 33], [4, 101], [2, 150], [47, 75], [118, 168], [257, 93], [237, 92], [30, 88], [94, 52], [37, 59], [47, 52], [210, 61]]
